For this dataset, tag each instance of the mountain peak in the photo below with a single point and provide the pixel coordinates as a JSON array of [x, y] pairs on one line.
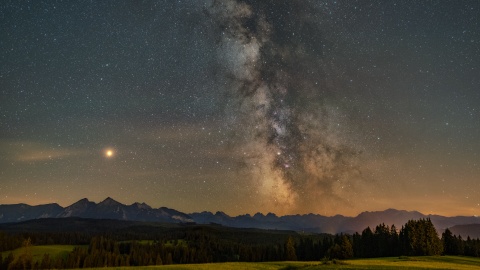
[[83, 201], [109, 201], [221, 214], [141, 205], [271, 215], [258, 215], [76, 209]]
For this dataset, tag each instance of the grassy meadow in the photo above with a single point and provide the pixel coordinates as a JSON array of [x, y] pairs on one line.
[[403, 262], [417, 263], [38, 251]]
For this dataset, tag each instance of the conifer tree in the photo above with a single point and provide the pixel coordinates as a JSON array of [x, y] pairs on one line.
[[290, 249]]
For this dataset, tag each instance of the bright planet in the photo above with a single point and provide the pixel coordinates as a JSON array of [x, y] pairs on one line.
[[109, 153]]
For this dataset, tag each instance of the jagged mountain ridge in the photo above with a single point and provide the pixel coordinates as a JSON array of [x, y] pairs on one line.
[[20, 212], [111, 209], [106, 209]]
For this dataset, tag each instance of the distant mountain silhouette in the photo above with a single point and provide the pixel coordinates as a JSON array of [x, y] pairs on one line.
[[472, 230], [78, 208], [106, 209], [112, 209], [20, 212]]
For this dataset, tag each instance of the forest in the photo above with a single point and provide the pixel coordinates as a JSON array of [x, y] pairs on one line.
[[154, 245]]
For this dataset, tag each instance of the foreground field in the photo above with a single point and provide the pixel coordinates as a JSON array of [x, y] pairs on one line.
[[38, 251], [434, 262], [424, 262]]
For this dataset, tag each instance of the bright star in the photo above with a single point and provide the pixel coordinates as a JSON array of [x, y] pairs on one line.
[[109, 153]]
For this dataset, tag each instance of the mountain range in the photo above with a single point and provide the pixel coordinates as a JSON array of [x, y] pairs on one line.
[[107, 209], [112, 209]]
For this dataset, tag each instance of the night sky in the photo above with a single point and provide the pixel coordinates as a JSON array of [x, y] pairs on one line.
[[292, 107]]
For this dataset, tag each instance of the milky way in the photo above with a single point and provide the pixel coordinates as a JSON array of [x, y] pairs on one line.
[[289, 133]]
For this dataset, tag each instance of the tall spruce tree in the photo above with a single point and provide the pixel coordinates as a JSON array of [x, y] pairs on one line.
[[419, 238], [290, 249]]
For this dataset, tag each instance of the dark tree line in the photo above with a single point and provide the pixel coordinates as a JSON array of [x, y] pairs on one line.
[[9, 242], [455, 245], [203, 244], [415, 238]]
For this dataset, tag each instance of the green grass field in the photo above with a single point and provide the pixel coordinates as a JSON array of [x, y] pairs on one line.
[[427, 262], [417, 263], [38, 251]]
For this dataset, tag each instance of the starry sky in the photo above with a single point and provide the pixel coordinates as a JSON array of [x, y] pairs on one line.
[[242, 106]]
